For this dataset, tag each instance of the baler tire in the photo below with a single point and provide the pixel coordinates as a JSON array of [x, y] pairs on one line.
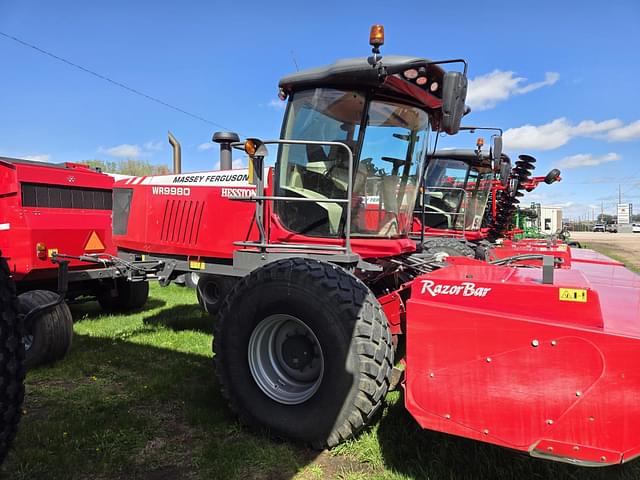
[[212, 290], [352, 337], [449, 246], [11, 361], [130, 296], [51, 333]]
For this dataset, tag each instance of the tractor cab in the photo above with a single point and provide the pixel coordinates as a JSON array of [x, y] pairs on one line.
[[353, 142], [456, 189], [457, 185]]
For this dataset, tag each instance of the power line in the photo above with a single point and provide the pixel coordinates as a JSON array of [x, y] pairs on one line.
[[112, 81]]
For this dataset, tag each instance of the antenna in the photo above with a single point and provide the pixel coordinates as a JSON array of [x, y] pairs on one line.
[[293, 57]]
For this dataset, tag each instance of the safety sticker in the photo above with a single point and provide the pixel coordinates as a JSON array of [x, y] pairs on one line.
[[94, 244], [573, 295]]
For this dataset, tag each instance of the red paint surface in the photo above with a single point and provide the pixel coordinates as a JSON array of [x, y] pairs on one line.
[[66, 230]]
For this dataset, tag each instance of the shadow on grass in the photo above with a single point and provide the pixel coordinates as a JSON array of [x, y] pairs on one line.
[[422, 454], [182, 317], [119, 409], [91, 310]]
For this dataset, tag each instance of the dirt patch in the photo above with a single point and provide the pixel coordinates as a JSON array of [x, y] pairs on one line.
[[327, 466], [626, 246], [168, 455]]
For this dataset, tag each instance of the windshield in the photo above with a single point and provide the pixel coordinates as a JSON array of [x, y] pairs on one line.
[[384, 180], [455, 194]]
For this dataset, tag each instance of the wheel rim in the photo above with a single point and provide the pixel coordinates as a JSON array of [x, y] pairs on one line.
[[27, 340], [285, 359]]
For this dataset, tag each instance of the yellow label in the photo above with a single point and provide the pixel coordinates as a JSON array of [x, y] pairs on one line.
[[52, 251], [573, 295], [195, 265], [250, 179], [562, 247]]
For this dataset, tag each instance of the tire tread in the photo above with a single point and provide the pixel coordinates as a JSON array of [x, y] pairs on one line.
[[371, 336]]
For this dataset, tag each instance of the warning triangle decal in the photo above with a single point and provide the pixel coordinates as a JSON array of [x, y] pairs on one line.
[[94, 244]]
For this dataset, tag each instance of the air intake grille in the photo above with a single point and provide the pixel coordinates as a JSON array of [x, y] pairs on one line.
[[181, 221], [59, 196]]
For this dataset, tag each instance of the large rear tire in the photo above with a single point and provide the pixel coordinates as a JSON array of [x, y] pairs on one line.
[[11, 362], [445, 247], [212, 290], [303, 349], [123, 296], [50, 334]]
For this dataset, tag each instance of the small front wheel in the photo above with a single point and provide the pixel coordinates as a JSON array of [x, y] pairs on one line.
[[212, 290]]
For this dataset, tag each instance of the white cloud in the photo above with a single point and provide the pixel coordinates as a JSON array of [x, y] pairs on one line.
[[205, 146], [549, 79], [128, 150], [587, 160], [625, 133], [40, 157], [555, 133], [277, 104], [153, 146], [485, 91], [235, 163], [125, 150]]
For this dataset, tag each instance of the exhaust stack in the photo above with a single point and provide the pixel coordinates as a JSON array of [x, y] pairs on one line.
[[225, 139], [177, 153]]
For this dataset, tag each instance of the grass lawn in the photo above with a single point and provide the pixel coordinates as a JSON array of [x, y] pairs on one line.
[[610, 251], [137, 398]]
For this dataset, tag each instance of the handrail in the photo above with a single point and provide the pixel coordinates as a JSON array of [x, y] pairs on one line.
[[260, 198]]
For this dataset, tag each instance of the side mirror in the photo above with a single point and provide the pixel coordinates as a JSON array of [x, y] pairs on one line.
[[496, 149], [505, 172], [454, 94], [552, 177]]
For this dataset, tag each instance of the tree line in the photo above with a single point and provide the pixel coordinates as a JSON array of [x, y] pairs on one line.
[[133, 167]]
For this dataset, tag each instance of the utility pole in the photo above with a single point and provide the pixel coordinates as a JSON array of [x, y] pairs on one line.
[[619, 194]]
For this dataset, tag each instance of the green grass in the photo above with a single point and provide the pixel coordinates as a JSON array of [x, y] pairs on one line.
[[631, 263], [137, 398]]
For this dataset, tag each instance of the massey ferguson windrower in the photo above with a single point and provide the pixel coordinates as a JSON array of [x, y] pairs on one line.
[[469, 197], [324, 279]]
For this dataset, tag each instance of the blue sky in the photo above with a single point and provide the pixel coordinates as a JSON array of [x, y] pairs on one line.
[[560, 77]]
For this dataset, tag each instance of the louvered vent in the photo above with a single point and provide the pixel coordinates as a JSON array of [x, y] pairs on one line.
[[181, 221]]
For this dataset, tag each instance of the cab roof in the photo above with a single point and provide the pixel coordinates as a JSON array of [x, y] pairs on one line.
[[362, 72]]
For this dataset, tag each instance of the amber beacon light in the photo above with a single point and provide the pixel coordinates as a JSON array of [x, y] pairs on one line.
[[376, 37]]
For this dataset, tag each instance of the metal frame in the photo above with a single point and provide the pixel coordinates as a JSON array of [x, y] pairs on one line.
[[263, 245]]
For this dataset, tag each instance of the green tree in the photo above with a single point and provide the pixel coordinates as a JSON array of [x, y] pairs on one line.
[[129, 167], [605, 218]]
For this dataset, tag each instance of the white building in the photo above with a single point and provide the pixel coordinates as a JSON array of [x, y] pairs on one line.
[[550, 219]]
